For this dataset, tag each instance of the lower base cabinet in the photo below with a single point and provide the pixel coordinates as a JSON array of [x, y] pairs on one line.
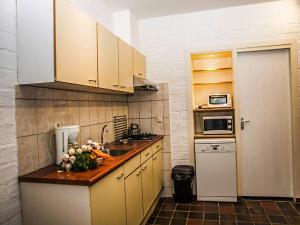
[[147, 185], [108, 200], [158, 182], [134, 198]]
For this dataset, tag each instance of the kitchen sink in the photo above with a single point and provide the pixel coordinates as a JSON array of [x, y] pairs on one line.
[[116, 152]]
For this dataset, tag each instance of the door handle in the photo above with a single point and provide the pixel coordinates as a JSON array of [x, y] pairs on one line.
[[243, 122]]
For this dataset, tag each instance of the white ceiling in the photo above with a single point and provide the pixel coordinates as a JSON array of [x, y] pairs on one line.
[[155, 8]]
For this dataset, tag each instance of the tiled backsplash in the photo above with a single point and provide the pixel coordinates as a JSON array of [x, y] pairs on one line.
[[150, 109], [39, 110]]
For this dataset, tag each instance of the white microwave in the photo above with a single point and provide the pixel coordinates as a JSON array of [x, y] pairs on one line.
[[217, 125], [219, 101]]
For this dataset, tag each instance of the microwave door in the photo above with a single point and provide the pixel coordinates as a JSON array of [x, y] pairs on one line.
[[215, 126]]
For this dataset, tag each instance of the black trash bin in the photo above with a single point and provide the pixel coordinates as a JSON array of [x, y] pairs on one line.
[[182, 175]]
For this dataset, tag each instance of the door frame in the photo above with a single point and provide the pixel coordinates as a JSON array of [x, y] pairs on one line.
[[290, 44]]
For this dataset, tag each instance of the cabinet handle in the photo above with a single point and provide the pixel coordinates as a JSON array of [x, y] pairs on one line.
[[154, 158], [123, 87], [139, 173], [121, 175], [157, 146], [140, 74], [144, 168], [147, 154], [115, 85]]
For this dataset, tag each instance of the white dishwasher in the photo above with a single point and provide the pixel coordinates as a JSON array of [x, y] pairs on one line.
[[216, 169]]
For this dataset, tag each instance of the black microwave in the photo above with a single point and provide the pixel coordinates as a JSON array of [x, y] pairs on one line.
[[217, 125]]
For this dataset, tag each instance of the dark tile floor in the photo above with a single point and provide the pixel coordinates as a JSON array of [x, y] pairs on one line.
[[244, 212]]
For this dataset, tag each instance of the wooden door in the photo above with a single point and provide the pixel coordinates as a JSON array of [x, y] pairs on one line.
[[134, 197], [147, 185], [263, 89], [108, 200], [157, 173], [108, 59], [139, 64], [75, 45], [125, 67]]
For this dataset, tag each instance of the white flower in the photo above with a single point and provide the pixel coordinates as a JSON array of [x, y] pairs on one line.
[[72, 159], [84, 148], [66, 157], [89, 148], [68, 166], [71, 151], [90, 142], [79, 151]]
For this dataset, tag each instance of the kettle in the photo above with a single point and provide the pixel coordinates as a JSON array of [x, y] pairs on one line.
[[134, 130], [64, 136]]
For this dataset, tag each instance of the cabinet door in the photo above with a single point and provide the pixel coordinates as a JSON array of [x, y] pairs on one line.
[[157, 172], [134, 198], [75, 45], [147, 185], [139, 64], [125, 67], [108, 59], [108, 200]]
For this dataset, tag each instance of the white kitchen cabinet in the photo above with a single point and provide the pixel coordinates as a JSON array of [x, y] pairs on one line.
[[157, 159], [57, 43], [108, 199], [139, 64], [134, 197], [147, 185]]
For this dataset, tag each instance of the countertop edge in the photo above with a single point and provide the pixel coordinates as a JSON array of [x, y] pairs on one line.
[[34, 178]]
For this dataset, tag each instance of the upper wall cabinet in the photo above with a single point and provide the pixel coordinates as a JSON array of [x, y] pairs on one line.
[[108, 62], [125, 67], [139, 64], [57, 42]]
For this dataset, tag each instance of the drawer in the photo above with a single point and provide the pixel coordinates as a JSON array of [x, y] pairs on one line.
[[132, 164], [146, 154], [156, 146]]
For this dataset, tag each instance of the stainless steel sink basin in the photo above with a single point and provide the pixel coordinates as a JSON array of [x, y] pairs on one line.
[[118, 152]]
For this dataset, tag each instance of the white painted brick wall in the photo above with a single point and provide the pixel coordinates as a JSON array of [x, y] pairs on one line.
[[166, 41], [10, 209]]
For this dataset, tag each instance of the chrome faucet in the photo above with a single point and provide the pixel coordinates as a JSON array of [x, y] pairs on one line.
[[102, 133]]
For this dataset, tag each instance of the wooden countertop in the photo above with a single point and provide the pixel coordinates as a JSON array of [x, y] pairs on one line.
[[50, 175]]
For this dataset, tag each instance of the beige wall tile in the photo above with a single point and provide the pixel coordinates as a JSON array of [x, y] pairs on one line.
[[157, 127], [44, 115], [72, 95], [157, 95], [167, 125], [101, 112], [83, 96], [165, 91], [59, 94], [166, 144], [27, 154], [134, 110], [108, 112], [145, 95], [167, 165], [157, 109], [104, 97], [133, 97], [85, 134], [84, 113], [93, 112], [43, 93], [73, 112], [115, 109], [60, 113], [95, 135], [145, 110], [110, 133], [25, 92], [145, 125], [166, 108], [47, 152], [26, 117], [93, 97]]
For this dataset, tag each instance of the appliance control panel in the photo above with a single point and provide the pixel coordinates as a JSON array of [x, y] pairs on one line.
[[215, 147]]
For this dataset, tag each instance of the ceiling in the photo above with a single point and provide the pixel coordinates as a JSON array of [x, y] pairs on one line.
[[156, 8]]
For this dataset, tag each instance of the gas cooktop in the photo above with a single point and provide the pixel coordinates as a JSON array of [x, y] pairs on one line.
[[143, 136]]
